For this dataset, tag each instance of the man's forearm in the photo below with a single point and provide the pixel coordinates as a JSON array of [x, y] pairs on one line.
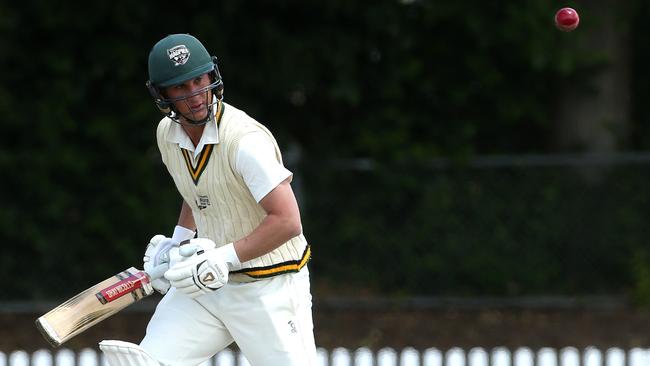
[[281, 223], [186, 219], [272, 232]]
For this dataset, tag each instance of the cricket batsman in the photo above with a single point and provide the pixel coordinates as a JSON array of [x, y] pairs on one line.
[[248, 280]]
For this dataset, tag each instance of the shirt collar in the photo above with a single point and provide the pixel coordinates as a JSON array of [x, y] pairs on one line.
[[210, 133]]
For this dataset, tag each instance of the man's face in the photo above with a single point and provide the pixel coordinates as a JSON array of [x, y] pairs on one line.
[[193, 103]]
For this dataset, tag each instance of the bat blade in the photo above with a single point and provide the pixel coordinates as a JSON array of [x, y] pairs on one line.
[[93, 305]]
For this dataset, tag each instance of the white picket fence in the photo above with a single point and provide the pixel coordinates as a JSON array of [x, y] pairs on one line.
[[524, 356]]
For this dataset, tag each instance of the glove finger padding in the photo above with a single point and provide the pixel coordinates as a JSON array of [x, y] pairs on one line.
[[160, 284], [183, 282], [151, 247], [157, 253]]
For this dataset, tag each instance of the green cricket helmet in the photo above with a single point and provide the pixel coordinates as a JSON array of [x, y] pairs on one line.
[[174, 60]]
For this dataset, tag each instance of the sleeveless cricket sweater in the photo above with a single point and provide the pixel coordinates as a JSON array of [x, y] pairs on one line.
[[223, 208]]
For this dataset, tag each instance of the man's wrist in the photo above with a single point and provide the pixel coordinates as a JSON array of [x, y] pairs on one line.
[[182, 233], [229, 255]]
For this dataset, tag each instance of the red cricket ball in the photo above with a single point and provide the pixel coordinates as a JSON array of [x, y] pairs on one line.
[[567, 19]]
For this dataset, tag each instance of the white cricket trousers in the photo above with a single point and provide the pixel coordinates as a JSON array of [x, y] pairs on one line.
[[270, 320]]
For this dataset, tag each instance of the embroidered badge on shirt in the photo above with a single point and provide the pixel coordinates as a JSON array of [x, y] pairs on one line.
[[203, 202]]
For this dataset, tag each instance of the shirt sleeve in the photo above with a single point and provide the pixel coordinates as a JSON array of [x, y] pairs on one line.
[[257, 163]]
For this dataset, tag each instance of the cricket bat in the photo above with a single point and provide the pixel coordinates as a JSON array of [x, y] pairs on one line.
[[97, 303]]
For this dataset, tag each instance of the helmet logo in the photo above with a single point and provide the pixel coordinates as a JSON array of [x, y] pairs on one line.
[[179, 54]]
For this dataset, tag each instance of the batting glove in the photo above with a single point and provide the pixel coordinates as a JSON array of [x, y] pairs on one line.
[[157, 253], [204, 272]]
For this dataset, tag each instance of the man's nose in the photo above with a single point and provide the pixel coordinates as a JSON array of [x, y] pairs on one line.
[[196, 94]]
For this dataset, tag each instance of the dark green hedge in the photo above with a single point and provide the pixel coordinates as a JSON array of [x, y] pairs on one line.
[[513, 230]]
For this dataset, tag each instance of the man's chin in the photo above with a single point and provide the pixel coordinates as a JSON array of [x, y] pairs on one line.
[[195, 118]]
